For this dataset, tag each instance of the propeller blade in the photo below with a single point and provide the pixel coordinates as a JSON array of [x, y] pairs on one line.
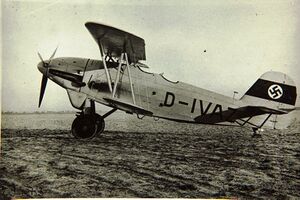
[[53, 54], [41, 58], [43, 87]]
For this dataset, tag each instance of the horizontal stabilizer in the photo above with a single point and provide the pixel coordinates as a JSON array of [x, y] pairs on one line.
[[127, 106], [236, 113]]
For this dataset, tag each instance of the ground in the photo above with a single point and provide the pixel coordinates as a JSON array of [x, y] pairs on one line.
[[146, 158]]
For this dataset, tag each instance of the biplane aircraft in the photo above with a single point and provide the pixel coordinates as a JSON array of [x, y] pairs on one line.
[[119, 81]]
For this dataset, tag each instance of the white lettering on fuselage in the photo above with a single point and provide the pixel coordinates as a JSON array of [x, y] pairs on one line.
[[204, 109]]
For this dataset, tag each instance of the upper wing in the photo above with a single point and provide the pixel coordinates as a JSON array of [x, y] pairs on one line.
[[115, 41]]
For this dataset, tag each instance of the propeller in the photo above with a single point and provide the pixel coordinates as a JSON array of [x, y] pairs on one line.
[[53, 54], [43, 87], [45, 78]]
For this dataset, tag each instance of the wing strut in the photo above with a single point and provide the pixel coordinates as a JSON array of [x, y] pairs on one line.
[[118, 76], [129, 76], [105, 66], [123, 58]]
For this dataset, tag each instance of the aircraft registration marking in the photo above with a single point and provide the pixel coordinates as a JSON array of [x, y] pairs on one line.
[[183, 103], [204, 109]]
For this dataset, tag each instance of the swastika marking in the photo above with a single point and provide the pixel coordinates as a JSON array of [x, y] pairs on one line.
[[275, 91]]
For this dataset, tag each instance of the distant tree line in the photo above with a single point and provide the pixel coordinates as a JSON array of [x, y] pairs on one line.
[[37, 112]]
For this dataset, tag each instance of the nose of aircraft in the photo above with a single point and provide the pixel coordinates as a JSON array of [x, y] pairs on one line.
[[41, 67]]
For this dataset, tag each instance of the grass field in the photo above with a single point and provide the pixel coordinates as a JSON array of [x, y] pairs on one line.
[[146, 158]]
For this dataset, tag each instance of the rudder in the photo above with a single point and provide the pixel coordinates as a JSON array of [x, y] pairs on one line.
[[272, 89]]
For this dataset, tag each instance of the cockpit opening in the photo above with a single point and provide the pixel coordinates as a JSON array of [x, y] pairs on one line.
[[162, 75]]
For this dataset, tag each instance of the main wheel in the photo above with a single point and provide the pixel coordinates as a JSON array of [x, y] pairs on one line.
[[100, 123], [85, 127]]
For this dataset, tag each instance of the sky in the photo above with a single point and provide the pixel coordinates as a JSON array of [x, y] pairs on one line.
[[222, 46]]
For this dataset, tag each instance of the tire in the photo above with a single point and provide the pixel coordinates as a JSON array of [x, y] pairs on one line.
[[100, 124], [85, 127]]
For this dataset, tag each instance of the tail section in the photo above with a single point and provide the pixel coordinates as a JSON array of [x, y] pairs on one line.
[[273, 90]]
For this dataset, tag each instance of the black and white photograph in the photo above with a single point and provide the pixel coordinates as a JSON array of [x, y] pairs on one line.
[[150, 99]]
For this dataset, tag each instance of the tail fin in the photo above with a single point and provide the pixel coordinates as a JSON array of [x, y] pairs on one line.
[[273, 90]]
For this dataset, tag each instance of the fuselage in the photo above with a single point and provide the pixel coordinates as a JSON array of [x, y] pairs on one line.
[[164, 98]]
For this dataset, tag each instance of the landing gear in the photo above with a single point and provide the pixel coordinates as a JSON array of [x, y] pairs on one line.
[[256, 132], [100, 123], [87, 126], [88, 123]]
